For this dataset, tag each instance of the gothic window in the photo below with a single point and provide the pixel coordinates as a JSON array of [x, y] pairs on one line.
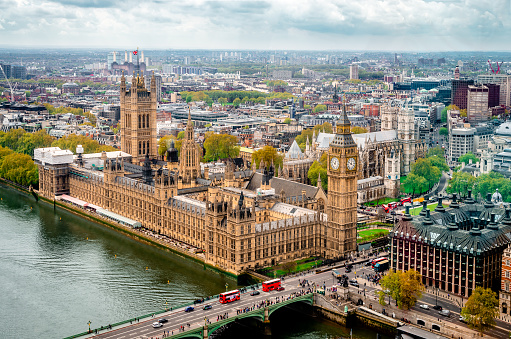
[[139, 122], [139, 147], [147, 119]]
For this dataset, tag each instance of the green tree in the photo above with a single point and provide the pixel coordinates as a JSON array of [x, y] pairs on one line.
[[414, 184], [444, 112], [181, 135], [481, 309], [460, 183], [404, 287], [207, 125], [320, 108], [443, 131], [424, 168], [437, 150], [236, 102], [268, 154], [319, 168], [439, 162], [287, 121], [219, 146], [19, 168], [222, 100], [465, 158]]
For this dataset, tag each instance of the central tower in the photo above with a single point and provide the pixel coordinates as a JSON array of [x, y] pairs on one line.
[[138, 119], [342, 191], [189, 164]]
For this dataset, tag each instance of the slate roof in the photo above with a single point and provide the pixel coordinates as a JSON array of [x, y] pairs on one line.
[[462, 228], [381, 136]]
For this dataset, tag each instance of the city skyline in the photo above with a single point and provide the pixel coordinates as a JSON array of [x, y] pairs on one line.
[[418, 25]]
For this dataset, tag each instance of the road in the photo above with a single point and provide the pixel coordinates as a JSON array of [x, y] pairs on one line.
[[196, 318]]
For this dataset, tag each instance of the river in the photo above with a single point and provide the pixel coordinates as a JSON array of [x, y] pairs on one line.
[[59, 271]]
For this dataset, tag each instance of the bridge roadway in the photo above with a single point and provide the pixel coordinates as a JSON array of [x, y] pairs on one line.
[[178, 317]]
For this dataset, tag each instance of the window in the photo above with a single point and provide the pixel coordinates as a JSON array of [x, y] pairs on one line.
[[507, 274]]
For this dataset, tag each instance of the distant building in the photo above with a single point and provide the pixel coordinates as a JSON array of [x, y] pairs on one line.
[[281, 74], [461, 141], [498, 79], [70, 87], [18, 72], [354, 71], [459, 92], [477, 104], [505, 285]]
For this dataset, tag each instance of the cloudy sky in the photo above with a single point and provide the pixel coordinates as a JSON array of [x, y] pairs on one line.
[[278, 24]]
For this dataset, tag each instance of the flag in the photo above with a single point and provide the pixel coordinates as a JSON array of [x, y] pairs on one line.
[[135, 52]]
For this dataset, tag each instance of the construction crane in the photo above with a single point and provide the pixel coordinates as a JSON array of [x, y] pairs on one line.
[[8, 82], [498, 67]]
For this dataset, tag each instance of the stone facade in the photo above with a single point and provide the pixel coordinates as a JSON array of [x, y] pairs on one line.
[[505, 284]]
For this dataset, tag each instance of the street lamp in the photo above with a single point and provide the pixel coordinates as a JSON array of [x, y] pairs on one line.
[[88, 323], [166, 309], [226, 286]]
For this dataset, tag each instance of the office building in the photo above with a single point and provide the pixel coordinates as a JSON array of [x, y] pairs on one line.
[[459, 92], [18, 72], [477, 104], [455, 248], [503, 80], [354, 72], [461, 141]]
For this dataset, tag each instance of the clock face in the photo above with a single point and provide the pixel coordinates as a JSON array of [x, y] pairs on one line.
[[352, 164], [334, 163]]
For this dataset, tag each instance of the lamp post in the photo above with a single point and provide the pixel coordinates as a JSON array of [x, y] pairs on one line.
[[166, 309], [226, 286], [88, 323]]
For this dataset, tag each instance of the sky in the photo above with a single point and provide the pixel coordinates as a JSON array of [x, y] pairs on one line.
[[393, 25]]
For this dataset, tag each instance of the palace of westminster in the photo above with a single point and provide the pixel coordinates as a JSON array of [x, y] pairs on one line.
[[244, 220]]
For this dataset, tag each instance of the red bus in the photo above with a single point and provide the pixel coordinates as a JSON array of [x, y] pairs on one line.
[[375, 261], [230, 296], [271, 285]]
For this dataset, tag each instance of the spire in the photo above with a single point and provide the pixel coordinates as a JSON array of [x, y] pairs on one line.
[[189, 126], [319, 180], [343, 124]]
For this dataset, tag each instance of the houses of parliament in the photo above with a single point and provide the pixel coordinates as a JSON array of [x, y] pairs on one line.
[[245, 219]]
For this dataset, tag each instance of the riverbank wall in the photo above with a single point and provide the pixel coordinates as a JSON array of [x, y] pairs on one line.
[[133, 233]]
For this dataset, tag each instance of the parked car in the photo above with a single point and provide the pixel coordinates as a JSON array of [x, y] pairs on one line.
[[354, 283], [207, 307], [254, 293], [437, 307], [348, 270], [163, 320], [189, 309], [424, 306], [445, 313], [280, 288], [157, 324]]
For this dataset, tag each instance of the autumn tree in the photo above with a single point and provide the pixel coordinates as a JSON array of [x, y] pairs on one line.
[[358, 130], [302, 138], [165, 142], [404, 287], [319, 168], [268, 154], [287, 121], [19, 168], [219, 146], [481, 309], [320, 108], [70, 142]]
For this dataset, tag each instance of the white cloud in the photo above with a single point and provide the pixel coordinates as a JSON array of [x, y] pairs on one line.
[[284, 24]]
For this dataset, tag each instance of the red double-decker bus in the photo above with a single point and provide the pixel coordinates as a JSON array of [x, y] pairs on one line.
[[271, 285], [375, 261], [230, 296]]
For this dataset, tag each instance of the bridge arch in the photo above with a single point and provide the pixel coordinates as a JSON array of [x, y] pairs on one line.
[[253, 314], [308, 299]]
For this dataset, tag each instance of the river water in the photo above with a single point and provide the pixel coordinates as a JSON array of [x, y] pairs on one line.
[[59, 271]]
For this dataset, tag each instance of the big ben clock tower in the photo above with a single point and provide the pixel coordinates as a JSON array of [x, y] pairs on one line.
[[342, 191]]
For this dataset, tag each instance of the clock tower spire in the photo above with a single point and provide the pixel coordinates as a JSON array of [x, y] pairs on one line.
[[342, 191]]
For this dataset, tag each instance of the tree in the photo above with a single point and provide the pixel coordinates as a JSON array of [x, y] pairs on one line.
[[268, 154], [463, 113], [414, 184], [404, 287], [222, 101], [443, 131], [465, 158], [287, 121], [481, 309], [448, 108], [288, 266], [358, 130], [188, 99], [423, 168], [438, 162], [181, 135], [439, 151], [319, 168], [219, 146], [70, 142], [320, 108], [19, 168], [208, 125], [236, 102], [460, 183]]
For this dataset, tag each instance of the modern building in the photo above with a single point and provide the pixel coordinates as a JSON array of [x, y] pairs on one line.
[[461, 141], [503, 80], [477, 103], [354, 71], [459, 92], [455, 248], [18, 72]]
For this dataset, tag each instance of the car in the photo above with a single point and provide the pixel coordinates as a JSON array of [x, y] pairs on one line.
[[369, 263], [354, 283], [462, 319], [445, 313], [189, 309], [157, 324], [424, 306], [254, 293], [207, 307], [437, 307], [280, 288], [348, 270], [163, 320]]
